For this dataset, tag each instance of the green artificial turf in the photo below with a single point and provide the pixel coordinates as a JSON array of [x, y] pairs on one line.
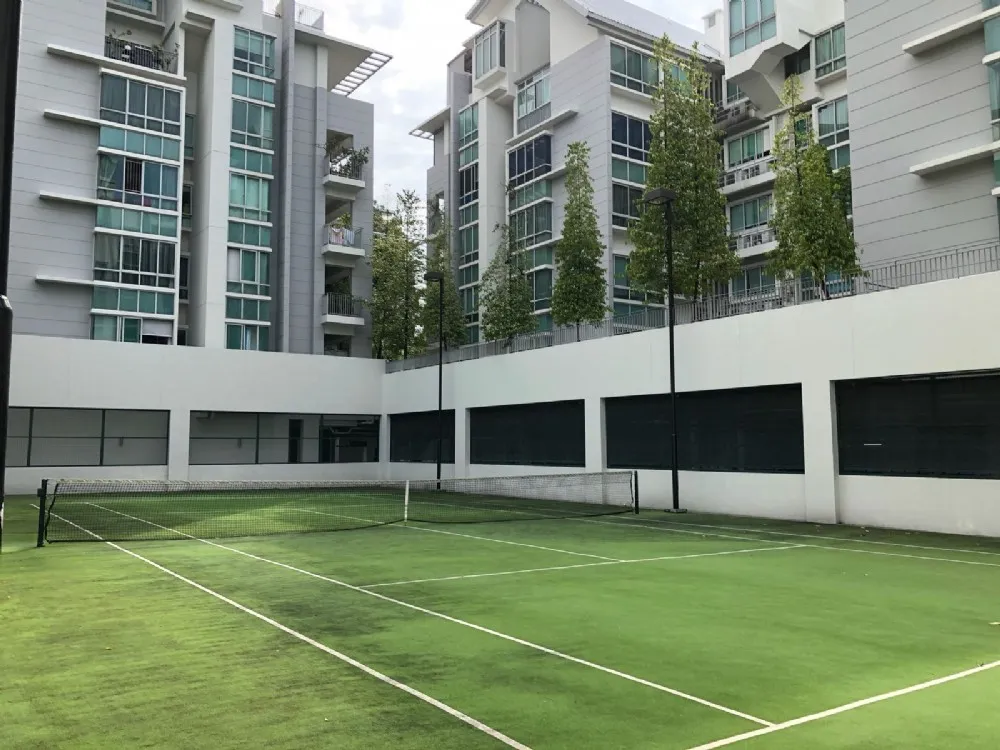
[[771, 620]]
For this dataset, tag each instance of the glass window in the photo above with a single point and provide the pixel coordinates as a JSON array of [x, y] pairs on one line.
[[131, 260], [248, 272], [140, 105], [625, 204], [529, 194], [633, 69], [749, 148], [750, 23], [630, 137], [831, 51], [468, 155], [251, 161], [254, 53], [468, 125], [127, 220], [529, 161], [835, 133], [531, 225], [541, 288], [489, 49], [533, 93], [750, 214], [468, 185], [249, 234], [249, 197], [253, 125], [468, 244]]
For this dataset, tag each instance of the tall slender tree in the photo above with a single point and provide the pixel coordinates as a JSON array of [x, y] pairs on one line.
[[810, 205], [397, 263], [685, 158], [580, 294], [439, 258], [506, 306]]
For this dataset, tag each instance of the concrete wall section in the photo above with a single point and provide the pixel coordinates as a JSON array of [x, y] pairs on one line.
[[305, 223], [906, 110]]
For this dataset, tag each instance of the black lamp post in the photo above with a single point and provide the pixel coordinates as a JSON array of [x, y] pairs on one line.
[[665, 198], [439, 278]]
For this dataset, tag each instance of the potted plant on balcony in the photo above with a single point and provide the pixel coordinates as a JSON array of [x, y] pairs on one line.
[[345, 160]]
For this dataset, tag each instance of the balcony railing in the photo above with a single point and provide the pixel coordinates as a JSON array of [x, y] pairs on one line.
[[343, 236], [752, 238], [138, 54], [909, 271], [344, 305], [742, 173], [348, 167], [733, 114]]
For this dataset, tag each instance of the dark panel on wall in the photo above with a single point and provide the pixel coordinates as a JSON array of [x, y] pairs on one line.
[[543, 434], [413, 437]]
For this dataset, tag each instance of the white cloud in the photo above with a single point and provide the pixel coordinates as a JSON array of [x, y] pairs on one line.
[[423, 36]]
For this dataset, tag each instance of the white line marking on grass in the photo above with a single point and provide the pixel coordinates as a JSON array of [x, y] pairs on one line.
[[475, 723], [480, 538], [846, 707], [581, 565], [457, 621], [658, 526], [839, 539]]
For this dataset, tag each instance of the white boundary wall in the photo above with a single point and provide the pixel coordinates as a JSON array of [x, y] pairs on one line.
[[940, 327]]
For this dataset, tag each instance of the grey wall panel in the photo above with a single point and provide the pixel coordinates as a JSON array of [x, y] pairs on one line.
[[49, 237], [532, 35], [304, 224], [906, 110]]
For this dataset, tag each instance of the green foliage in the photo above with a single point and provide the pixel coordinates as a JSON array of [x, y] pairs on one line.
[[505, 301], [439, 258], [810, 202], [581, 287], [684, 157], [397, 264]]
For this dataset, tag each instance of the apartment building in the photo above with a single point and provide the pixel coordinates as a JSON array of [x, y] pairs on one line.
[[538, 76], [192, 172]]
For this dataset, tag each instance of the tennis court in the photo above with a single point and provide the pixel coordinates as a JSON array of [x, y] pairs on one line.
[[597, 629]]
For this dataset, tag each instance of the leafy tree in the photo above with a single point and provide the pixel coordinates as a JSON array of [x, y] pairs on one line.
[[810, 219], [397, 263], [440, 259], [506, 305], [684, 157], [581, 287]]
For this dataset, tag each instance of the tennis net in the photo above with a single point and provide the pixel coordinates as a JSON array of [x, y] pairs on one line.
[[126, 510]]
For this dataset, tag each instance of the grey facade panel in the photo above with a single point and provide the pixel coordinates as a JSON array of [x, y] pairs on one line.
[[906, 110], [50, 237], [304, 223], [532, 29]]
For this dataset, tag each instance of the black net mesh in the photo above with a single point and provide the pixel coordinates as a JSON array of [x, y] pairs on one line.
[[124, 510]]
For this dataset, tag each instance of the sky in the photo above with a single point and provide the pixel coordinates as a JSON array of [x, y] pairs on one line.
[[422, 36]]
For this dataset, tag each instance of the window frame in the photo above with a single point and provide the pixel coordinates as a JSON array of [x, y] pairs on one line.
[[489, 46], [263, 137], [835, 61], [131, 115], [539, 151], [751, 32], [249, 335], [634, 196], [525, 229], [246, 63], [759, 201], [838, 140], [645, 80], [539, 87], [258, 287], [260, 210], [163, 276]]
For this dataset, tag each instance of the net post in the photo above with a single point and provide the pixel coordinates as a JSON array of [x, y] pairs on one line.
[[406, 502], [43, 493], [635, 492]]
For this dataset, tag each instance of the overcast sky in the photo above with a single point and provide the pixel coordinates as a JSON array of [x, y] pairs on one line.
[[422, 36]]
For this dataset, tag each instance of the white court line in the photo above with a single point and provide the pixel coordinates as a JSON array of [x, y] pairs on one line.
[[840, 539], [470, 536], [457, 621], [658, 526], [847, 707], [475, 723], [582, 565]]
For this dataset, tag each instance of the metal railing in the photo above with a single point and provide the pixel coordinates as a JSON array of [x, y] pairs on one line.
[[904, 271], [752, 238], [534, 117], [343, 236], [745, 172], [733, 114], [345, 305], [348, 167], [137, 54]]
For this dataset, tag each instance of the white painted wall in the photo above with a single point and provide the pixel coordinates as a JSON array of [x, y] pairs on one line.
[[569, 30]]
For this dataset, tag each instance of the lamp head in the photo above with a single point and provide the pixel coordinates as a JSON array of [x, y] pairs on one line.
[[437, 276], [659, 196]]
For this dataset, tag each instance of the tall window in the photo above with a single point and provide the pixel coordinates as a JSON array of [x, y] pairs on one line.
[[130, 260], [993, 70], [253, 125], [831, 51], [490, 49], [835, 133], [468, 244], [247, 337], [468, 125], [254, 53], [750, 23], [123, 179], [630, 140], [750, 214], [625, 202], [249, 197], [633, 69], [531, 225], [253, 88], [468, 185], [529, 161], [733, 92], [140, 105], [753, 281], [749, 147], [541, 288], [533, 93], [248, 272]]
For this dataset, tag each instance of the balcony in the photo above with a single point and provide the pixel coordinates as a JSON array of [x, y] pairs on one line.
[[342, 246], [342, 312], [346, 175], [154, 58], [751, 242], [737, 116], [746, 177]]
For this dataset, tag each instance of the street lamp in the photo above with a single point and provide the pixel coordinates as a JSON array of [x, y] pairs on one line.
[[665, 198], [438, 276]]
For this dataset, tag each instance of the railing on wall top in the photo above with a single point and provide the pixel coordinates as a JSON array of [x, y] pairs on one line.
[[902, 272]]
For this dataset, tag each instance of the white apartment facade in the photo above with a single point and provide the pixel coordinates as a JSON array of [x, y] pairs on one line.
[[174, 152]]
